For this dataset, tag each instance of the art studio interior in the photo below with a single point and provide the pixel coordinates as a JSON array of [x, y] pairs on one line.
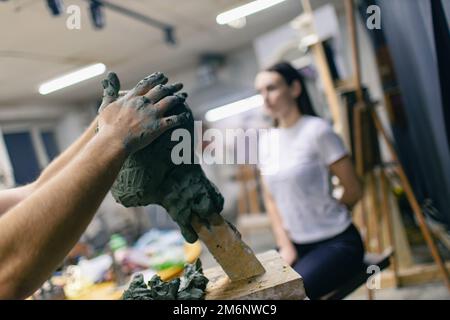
[[225, 150]]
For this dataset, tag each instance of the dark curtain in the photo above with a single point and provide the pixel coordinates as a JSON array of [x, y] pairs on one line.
[[442, 41], [422, 143]]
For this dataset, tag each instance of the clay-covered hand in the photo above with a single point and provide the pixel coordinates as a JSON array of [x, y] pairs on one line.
[[150, 176], [137, 118]]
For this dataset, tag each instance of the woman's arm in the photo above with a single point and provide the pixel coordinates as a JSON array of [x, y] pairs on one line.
[[287, 249], [345, 171]]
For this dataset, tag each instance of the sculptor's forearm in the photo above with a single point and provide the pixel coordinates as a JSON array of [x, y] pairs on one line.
[[33, 245], [11, 197], [37, 233]]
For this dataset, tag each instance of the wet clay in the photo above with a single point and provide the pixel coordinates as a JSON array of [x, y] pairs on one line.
[[150, 177], [191, 286], [111, 87]]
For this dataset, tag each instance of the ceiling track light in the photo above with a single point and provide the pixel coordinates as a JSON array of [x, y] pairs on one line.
[[97, 16], [167, 29], [169, 36], [56, 7]]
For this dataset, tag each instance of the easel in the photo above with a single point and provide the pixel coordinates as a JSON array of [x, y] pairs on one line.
[[369, 176], [378, 173], [248, 202], [252, 221], [338, 119]]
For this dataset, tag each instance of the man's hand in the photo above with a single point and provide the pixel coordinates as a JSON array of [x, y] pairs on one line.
[[137, 118]]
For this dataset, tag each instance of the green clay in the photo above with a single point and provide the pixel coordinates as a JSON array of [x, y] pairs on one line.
[[150, 177], [191, 286]]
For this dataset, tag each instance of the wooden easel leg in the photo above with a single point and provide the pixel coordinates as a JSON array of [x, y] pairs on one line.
[[374, 212], [413, 202], [243, 206], [364, 220], [370, 295], [387, 218], [324, 71]]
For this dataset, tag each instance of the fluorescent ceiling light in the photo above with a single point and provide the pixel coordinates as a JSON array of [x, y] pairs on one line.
[[234, 108], [72, 78], [245, 10]]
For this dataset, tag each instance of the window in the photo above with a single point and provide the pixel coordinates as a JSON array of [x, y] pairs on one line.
[[22, 156], [48, 138], [30, 149]]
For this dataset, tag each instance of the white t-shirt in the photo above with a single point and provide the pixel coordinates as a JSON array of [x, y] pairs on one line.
[[301, 186]]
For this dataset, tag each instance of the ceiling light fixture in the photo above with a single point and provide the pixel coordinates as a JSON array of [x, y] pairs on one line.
[[239, 23], [245, 10], [72, 78], [234, 108]]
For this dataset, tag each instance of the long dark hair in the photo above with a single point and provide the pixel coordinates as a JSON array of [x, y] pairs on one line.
[[290, 74]]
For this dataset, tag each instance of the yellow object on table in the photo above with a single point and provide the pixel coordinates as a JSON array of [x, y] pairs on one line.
[[192, 252]]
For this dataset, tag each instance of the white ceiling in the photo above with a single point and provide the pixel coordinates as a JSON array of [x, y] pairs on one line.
[[35, 47]]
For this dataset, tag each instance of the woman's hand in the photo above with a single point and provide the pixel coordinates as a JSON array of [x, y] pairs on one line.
[[288, 253], [137, 118]]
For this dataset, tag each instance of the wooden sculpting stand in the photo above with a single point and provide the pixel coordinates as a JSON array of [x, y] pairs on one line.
[[280, 282]]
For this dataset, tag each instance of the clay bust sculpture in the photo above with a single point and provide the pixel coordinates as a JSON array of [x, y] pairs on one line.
[[149, 176]]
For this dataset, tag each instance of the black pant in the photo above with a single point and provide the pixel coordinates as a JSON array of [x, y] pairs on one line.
[[327, 264]]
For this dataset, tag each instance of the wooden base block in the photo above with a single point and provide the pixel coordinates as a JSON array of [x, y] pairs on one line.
[[280, 282]]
